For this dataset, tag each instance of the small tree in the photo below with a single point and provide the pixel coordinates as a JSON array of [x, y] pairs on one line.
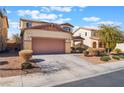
[[16, 37], [110, 35]]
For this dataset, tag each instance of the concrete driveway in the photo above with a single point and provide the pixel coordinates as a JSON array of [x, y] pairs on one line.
[[60, 69]]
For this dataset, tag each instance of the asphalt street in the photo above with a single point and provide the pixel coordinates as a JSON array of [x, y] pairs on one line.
[[114, 79]]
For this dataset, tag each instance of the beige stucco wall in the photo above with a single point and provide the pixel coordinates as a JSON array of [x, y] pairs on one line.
[[120, 46], [81, 32], [23, 24], [46, 34]]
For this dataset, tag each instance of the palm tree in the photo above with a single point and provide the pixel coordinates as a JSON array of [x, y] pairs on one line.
[[110, 35], [2, 14]]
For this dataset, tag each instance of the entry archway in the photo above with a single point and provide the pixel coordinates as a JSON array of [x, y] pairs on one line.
[[94, 44]]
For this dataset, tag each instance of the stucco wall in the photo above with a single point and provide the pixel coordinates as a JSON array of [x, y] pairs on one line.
[[46, 34], [120, 46], [81, 32], [23, 24]]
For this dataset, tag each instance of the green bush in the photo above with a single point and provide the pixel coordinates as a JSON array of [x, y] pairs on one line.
[[86, 53], [117, 51], [105, 58], [104, 54], [97, 53], [116, 57], [79, 49], [121, 56], [26, 65]]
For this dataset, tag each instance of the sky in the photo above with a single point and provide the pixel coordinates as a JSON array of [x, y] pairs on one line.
[[79, 16]]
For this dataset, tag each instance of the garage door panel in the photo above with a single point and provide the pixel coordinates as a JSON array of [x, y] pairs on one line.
[[47, 45]]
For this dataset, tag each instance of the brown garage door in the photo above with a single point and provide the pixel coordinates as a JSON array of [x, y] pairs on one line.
[[48, 45]]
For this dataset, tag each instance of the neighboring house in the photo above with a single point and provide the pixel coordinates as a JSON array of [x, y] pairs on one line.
[[90, 36], [3, 32], [44, 37], [120, 46]]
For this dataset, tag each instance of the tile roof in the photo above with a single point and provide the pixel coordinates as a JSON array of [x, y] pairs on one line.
[[77, 37], [48, 27], [67, 24], [90, 29]]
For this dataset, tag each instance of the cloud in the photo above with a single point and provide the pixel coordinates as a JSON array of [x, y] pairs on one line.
[[35, 14], [14, 25], [57, 8], [93, 27], [62, 20], [27, 12], [8, 11], [50, 17], [45, 9], [45, 16], [91, 19], [62, 8], [109, 23]]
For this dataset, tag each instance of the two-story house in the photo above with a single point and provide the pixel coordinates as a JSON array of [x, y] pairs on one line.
[[45, 37], [3, 32], [91, 38]]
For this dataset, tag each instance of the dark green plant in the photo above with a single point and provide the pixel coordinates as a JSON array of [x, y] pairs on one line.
[[26, 65], [97, 53], [121, 56], [105, 58], [103, 54], [110, 35], [86, 53], [80, 49], [116, 57]]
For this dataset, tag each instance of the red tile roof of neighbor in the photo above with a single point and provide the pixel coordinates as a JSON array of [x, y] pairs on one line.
[[95, 38], [29, 20], [37, 21], [67, 24], [48, 27], [90, 29], [77, 37]]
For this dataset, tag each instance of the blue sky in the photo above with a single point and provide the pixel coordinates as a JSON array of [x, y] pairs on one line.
[[79, 16]]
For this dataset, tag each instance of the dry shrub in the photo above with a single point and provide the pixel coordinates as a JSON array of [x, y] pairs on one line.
[[25, 54], [95, 51]]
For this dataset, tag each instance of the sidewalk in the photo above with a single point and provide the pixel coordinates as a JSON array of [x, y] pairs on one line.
[[76, 69]]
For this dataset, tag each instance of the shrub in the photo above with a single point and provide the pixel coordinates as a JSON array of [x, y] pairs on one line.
[[121, 56], [80, 49], [91, 51], [26, 54], [86, 53], [105, 58], [26, 65], [104, 54], [116, 57], [117, 51], [72, 50], [97, 53]]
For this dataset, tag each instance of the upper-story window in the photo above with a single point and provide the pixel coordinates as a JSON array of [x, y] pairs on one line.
[[29, 24], [85, 33], [94, 34], [67, 28]]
